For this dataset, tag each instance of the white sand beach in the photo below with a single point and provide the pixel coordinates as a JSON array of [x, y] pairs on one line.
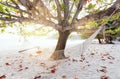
[[100, 61]]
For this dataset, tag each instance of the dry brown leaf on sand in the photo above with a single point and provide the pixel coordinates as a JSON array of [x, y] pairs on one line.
[[3, 77], [104, 77]]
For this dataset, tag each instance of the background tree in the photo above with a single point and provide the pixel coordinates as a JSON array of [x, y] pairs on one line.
[[62, 15], [111, 28]]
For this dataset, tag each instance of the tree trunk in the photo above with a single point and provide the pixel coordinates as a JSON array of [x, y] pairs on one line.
[[59, 50], [99, 39]]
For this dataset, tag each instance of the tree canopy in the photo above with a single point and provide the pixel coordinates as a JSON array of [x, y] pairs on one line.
[[65, 16], [54, 12]]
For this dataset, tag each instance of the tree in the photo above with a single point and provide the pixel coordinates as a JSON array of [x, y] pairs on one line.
[[111, 30], [62, 15]]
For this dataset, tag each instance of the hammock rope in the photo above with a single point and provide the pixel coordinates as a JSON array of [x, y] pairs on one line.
[[80, 48], [87, 43], [83, 46]]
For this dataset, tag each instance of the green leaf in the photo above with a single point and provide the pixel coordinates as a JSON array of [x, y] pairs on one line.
[[2, 30], [6, 9], [100, 0], [76, 1], [63, 6], [1, 8], [91, 6], [53, 7], [50, 1]]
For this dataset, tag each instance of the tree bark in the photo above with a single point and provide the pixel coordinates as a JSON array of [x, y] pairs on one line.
[[99, 39], [61, 44]]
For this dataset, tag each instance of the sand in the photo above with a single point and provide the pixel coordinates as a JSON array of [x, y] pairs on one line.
[[100, 61]]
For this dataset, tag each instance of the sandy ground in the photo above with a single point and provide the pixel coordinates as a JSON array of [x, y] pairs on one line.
[[100, 61]]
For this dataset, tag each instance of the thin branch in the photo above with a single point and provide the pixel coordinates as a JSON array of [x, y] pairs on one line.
[[79, 8], [15, 3], [8, 5], [45, 9], [8, 19], [58, 10], [34, 19], [115, 24], [9, 15], [17, 7], [66, 8], [98, 16], [84, 30], [112, 26], [35, 2], [47, 23], [12, 20], [68, 16]]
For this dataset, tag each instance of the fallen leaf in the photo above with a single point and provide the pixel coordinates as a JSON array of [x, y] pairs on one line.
[[74, 60], [104, 77], [111, 62], [26, 67], [53, 70], [7, 64], [111, 58], [92, 54], [103, 70], [88, 65], [37, 77], [82, 57], [81, 60], [38, 52], [20, 66], [3, 77], [64, 76], [103, 66]]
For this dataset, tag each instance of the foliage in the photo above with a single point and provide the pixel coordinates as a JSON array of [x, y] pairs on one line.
[[90, 25], [62, 15], [115, 31], [85, 35]]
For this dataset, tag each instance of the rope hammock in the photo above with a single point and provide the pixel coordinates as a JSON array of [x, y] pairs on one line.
[[80, 48], [83, 46], [86, 44]]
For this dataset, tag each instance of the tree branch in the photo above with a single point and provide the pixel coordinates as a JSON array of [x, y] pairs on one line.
[[41, 19], [7, 19], [15, 3], [58, 10], [68, 16], [98, 16], [45, 9], [14, 19], [115, 24], [66, 9], [85, 30], [8, 5], [79, 8], [10, 15]]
